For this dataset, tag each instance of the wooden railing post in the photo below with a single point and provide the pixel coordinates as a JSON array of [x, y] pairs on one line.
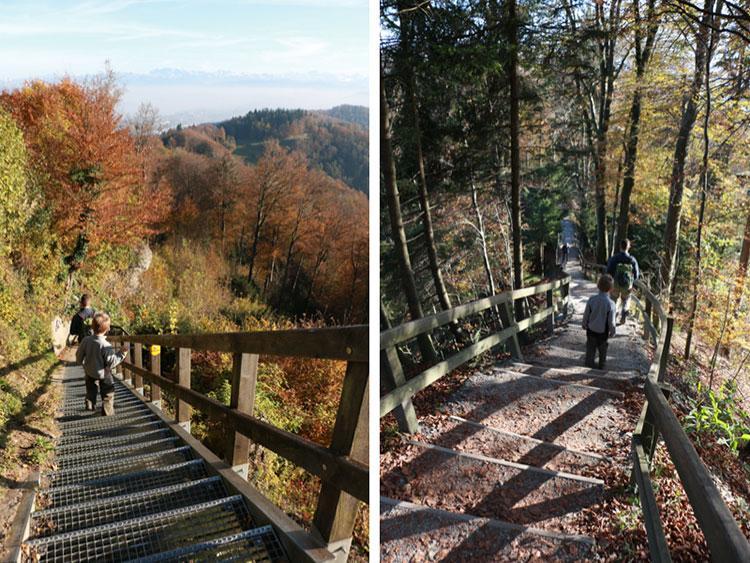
[[337, 511], [551, 305], [508, 319], [183, 378], [392, 376], [244, 380], [138, 362], [647, 318], [156, 370], [663, 361], [126, 375]]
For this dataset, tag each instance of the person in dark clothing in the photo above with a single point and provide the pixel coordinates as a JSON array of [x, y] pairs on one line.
[[599, 322], [80, 324], [565, 252], [623, 267]]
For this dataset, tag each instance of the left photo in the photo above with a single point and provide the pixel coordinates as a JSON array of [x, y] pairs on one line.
[[184, 204]]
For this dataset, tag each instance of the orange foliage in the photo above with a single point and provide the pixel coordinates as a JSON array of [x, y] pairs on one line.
[[86, 161]]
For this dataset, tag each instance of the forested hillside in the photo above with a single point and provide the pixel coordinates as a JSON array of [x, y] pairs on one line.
[[499, 119], [175, 233], [335, 141]]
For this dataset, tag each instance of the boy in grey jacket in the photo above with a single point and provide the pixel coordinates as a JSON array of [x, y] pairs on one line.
[[99, 358], [599, 322]]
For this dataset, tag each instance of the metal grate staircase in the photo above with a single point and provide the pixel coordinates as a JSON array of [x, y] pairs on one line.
[[126, 488]]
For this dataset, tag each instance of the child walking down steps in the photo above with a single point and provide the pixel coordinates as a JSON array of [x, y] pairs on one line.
[[599, 322], [99, 358]]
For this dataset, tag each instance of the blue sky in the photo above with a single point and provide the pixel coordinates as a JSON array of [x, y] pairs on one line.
[[312, 52]]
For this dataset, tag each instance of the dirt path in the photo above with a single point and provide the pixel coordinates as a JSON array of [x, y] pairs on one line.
[[518, 461]]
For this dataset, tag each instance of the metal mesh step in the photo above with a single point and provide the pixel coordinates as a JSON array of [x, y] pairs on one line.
[[137, 538], [52, 521], [258, 544], [83, 415], [79, 459], [107, 424], [122, 484], [97, 420], [95, 444], [110, 432], [98, 470]]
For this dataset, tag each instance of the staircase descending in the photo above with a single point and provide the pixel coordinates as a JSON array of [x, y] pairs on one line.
[[514, 459], [127, 488]]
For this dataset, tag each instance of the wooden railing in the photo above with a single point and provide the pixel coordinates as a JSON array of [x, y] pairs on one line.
[[342, 466], [400, 390], [723, 536]]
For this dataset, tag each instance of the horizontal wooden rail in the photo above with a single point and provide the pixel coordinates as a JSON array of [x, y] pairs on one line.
[[341, 467], [350, 475], [399, 391], [336, 343], [723, 536], [412, 329]]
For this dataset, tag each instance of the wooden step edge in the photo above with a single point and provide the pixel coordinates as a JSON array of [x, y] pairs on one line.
[[506, 463], [591, 372], [530, 439], [560, 383], [576, 364], [502, 524]]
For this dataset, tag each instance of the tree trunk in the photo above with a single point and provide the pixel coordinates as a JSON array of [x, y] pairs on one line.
[[677, 182], [642, 56], [429, 235], [515, 158], [482, 239], [388, 170]]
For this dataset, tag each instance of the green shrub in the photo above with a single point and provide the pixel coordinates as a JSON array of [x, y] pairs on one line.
[[718, 413]]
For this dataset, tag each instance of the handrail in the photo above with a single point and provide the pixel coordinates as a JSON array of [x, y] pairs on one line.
[[726, 541], [342, 466], [400, 391]]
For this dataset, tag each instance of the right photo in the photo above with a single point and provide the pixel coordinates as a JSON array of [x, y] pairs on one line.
[[564, 303]]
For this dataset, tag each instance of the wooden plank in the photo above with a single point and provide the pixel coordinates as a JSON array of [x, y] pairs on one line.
[[657, 308], [183, 378], [432, 374], [724, 537], [551, 305], [657, 542], [665, 349], [126, 376], [155, 369], [508, 320], [392, 377], [412, 329], [337, 343], [535, 318], [336, 511], [244, 381], [540, 288], [350, 475], [138, 357]]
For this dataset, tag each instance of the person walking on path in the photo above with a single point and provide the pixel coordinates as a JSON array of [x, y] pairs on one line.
[[623, 267], [99, 358], [565, 252], [80, 324], [599, 322]]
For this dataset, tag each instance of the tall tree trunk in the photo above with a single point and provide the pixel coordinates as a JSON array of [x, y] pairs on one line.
[[701, 214], [515, 155], [482, 239], [642, 56], [424, 202], [677, 182], [388, 170], [744, 259]]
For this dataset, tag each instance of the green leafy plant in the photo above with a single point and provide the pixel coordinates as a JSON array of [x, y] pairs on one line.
[[717, 413]]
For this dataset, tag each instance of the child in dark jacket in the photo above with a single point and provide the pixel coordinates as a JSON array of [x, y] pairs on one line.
[[599, 322], [99, 358]]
